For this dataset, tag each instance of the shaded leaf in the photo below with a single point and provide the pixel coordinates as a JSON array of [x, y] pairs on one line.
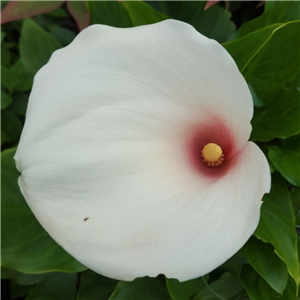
[[94, 286], [214, 22], [62, 35], [16, 10], [20, 81], [22, 278], [19, 104], [56, 286], [26, 246], [6, 99], [36, 46], [11, 125], [19, 291], [3, 137], [233, 265], [262, 258], [141, 288], [80, 13], [6, 78], [268, 58], [286, 159], [141, 13], [279, 119], [5, 55], [3, 34], [258, 289], [184, 290], [277, 225], [275, 12], [228, 286], [111, 13]]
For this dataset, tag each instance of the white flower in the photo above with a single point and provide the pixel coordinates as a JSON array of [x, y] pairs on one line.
[[111, 153]]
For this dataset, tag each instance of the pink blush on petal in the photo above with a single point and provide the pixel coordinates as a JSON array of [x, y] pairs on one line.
[[212, 131]]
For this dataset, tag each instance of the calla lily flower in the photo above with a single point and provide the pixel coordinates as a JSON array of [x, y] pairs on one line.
[[134, 156]]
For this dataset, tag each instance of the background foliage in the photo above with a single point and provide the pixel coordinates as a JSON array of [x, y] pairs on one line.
[[264, 42]]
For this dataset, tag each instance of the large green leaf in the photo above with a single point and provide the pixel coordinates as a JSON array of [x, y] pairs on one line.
[[22, 278], [279, 119], [141, 288], [275, 12], [141, 13], [262, 258], [111, 13], [214, 22], [36, 46], [277, 225], [94, 286], [228, 287], [26, 246], [258, 289], [286, 159], [54, 287], [268, 58], [123, 13], [184, 290]]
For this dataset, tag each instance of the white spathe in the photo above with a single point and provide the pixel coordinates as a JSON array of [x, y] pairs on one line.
[[103, 153]]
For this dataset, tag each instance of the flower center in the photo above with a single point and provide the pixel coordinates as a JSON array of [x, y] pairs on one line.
[[212, 155]]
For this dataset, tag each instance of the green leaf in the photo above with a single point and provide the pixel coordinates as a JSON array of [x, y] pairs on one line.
[[20, 81], [16, 10], [123, 13], [228, 286], [286, 159], [268, 58], [63, 35], [258, 289], [6, 100], [6, 78], [26, 246], [141, 13], [262, 258], [233, 265], [111, 13], [246, 48], [22, 278], [94, 286], [277, 225], [56, 286], [19, 104], [214, 22], [279, 119], [184, 290], [15, 78], [36, 46], [11, 125], [141, 288], [275, 12]]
